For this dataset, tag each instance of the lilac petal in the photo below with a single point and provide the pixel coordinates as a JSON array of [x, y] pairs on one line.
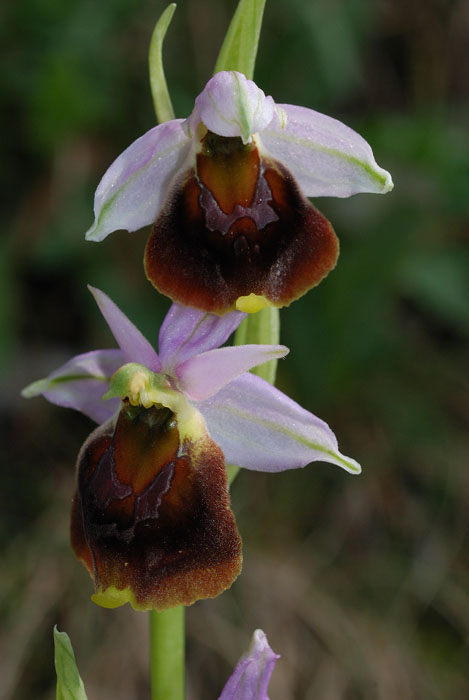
[[232, 105], [203, 375], [250, 679], [80, 384], [186, 332], [259, 428], [133, 344], [325, 156], [134, 187]]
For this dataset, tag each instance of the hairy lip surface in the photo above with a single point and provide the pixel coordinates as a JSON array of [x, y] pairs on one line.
[[168, 536], [215, 242]]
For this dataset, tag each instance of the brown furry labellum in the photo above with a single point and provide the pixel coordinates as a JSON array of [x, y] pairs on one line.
[[151, 518], [238, 225]]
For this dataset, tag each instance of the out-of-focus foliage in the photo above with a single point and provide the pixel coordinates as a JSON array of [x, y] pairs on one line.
[[360, 583]]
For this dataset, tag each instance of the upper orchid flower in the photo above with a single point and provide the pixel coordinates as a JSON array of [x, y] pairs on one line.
[[151, 517], [226, 191]]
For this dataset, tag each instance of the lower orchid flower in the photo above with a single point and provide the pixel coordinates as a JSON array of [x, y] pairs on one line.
[[226, 192], [151, 517]]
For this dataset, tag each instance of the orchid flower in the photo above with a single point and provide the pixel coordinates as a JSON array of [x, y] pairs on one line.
[[226, 191], [151, 517], [250, 679]]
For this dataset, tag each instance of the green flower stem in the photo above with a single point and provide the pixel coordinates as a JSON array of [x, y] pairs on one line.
[[167, 637], [167, 634], [238, 52], [262, 328]]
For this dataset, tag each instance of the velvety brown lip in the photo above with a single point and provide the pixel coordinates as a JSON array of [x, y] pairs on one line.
[[238, 224], [166, 531]]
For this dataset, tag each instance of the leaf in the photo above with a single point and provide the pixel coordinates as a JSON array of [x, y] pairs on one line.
[[69, 684], [159, 89], [239, 48]]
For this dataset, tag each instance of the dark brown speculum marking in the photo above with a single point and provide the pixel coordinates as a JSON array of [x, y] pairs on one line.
[[237, 224], [153, 515]]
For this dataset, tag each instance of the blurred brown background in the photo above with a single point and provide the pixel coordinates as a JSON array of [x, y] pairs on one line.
[[361, 583]]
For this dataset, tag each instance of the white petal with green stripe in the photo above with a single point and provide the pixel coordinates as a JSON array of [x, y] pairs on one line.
[[80, 384], [259, 428], [325, 156]]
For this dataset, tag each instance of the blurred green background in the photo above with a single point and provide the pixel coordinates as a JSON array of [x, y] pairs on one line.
[[361, 583]]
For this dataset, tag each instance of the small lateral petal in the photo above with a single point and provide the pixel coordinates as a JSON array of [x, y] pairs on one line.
[[325, 156], [259, 428], [204, 375], [151, 518], [133, 344], [250, 679], [232, 105], [80, 384], [186, 332], [135, 185]]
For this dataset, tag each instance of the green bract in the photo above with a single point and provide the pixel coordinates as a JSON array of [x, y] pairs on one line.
[[239, 48], [159, 89], [69, 684]]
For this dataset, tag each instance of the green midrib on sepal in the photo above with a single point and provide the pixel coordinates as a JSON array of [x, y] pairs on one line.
[[90, 234], [339, 459], [381, 177], [41, 385]]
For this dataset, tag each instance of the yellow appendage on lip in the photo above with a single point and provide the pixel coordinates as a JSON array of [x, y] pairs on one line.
[[251, 303], [113, 598]]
